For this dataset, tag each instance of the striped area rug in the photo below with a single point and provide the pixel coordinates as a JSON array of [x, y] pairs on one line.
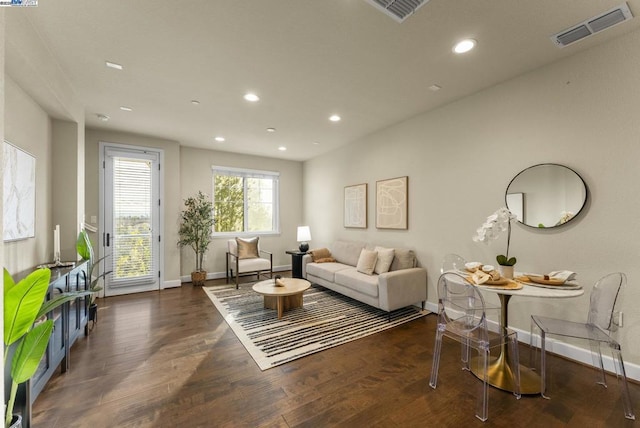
[[327, 319]]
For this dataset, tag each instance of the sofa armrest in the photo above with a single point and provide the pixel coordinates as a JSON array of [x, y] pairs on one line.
[[306, 259], [401, 288]]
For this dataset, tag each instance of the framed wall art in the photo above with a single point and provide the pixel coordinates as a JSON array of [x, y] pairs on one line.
[[19, 193], [392, 203], [355, 206]]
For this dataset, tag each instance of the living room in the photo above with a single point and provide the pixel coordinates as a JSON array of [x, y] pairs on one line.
[[579, 111]]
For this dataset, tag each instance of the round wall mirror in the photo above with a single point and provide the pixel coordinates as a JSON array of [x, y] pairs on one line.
[[546, 195]]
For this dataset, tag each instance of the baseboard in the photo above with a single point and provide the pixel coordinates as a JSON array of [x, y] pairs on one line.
[[572, 352], [172, 284], [222, 275]]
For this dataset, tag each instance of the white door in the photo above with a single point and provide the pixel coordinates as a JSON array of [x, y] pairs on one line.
[[130, 219]]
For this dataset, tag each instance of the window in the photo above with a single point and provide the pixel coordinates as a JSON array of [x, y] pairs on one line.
[[245, 200]]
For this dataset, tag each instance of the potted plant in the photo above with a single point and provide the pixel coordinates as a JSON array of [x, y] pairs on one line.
[[195, 231], [27, 328], [93, 306], [496, 223]]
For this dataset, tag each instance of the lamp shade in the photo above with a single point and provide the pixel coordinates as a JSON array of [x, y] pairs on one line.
[[304, 234]]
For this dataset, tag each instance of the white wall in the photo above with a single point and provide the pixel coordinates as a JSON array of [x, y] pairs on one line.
[[196, 175], [581, 112], [43, 112], [171, 195], [28, 127], [2, 126]]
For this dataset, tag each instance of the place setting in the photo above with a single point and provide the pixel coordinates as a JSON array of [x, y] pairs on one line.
[[557, 279], [487, 276]]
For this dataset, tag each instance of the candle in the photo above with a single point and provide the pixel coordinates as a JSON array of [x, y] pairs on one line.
[[56, 243]]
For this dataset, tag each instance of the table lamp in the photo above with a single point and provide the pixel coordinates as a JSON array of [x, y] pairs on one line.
[[304, 235]]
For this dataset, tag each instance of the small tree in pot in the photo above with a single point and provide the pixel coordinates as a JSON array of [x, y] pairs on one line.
[[195, 231]]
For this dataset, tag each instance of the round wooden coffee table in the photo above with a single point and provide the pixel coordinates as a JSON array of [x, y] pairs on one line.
[[282, 298]]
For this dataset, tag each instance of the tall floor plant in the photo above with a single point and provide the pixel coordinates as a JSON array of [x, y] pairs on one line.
[[196, 226]]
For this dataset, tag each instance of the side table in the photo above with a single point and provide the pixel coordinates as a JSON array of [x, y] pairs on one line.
[[296, 262]]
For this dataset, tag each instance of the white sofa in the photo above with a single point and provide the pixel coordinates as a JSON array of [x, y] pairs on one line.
[[403, 285]]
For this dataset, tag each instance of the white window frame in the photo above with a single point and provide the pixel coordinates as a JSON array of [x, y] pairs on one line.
[[250, 173]]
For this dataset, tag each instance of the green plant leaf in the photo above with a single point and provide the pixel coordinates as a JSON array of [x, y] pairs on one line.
[[8, 281], [22, 303], [30, 351], [59, 300], [512, 261], [502, 260]]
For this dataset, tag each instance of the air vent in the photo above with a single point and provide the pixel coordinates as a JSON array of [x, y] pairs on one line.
[[399, 10], [592, 25]]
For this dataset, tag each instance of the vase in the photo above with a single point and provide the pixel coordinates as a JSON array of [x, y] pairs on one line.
[[198, 277], [93, 312], [16, 422], [506, 272]]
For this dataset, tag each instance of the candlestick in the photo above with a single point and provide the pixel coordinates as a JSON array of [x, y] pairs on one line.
[[56, 244]]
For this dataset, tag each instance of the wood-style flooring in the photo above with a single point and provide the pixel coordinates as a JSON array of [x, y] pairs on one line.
[[168, 359]]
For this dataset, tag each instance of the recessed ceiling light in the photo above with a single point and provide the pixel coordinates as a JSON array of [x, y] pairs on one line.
[[113, 65], [282, 148], [271, 129], [102, 117], [435, 88], [219, 139], [335, 118], [316, 143], [251, 97], [125, 108], [195, 102], [464, 46]]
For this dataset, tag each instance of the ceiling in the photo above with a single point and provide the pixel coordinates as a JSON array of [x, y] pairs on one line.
[[306, 59]]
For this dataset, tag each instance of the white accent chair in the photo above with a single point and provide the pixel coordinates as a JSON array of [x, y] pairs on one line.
[[237, 267]]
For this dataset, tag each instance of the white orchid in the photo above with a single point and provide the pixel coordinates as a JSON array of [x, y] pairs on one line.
[[496, 223]]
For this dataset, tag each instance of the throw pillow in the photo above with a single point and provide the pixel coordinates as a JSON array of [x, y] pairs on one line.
[[247, 248], [403, 259], [320, 253], [325, 260], [367, 261], [385, 258]]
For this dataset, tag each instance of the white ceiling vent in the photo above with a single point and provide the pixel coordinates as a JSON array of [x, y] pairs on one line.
[[592, 25], [399, 10]]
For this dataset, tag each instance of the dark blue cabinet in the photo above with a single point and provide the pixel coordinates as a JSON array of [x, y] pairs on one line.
[[70, 322]]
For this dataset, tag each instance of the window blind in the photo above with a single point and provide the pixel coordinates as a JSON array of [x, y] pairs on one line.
[[132, 246]]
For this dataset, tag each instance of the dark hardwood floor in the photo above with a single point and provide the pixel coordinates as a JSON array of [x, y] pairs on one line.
[[168, 359]]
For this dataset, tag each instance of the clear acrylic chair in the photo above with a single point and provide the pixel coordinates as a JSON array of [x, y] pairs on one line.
[[452, 263], [461, 317], [600, 328]]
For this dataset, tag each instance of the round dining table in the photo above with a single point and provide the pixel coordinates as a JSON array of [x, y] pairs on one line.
[[499, 371]]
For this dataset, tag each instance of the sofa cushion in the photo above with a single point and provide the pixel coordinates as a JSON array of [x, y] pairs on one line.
[[253, 264], [367, 261], [347, 252], [385, 258], [403, 259], [325, 271], [247, 248], [351, 278]]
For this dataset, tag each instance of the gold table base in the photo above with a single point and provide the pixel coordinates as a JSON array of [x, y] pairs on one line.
[[499, 370], [501, 376]]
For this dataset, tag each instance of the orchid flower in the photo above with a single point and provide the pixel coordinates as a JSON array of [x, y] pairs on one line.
[[496, 223]]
